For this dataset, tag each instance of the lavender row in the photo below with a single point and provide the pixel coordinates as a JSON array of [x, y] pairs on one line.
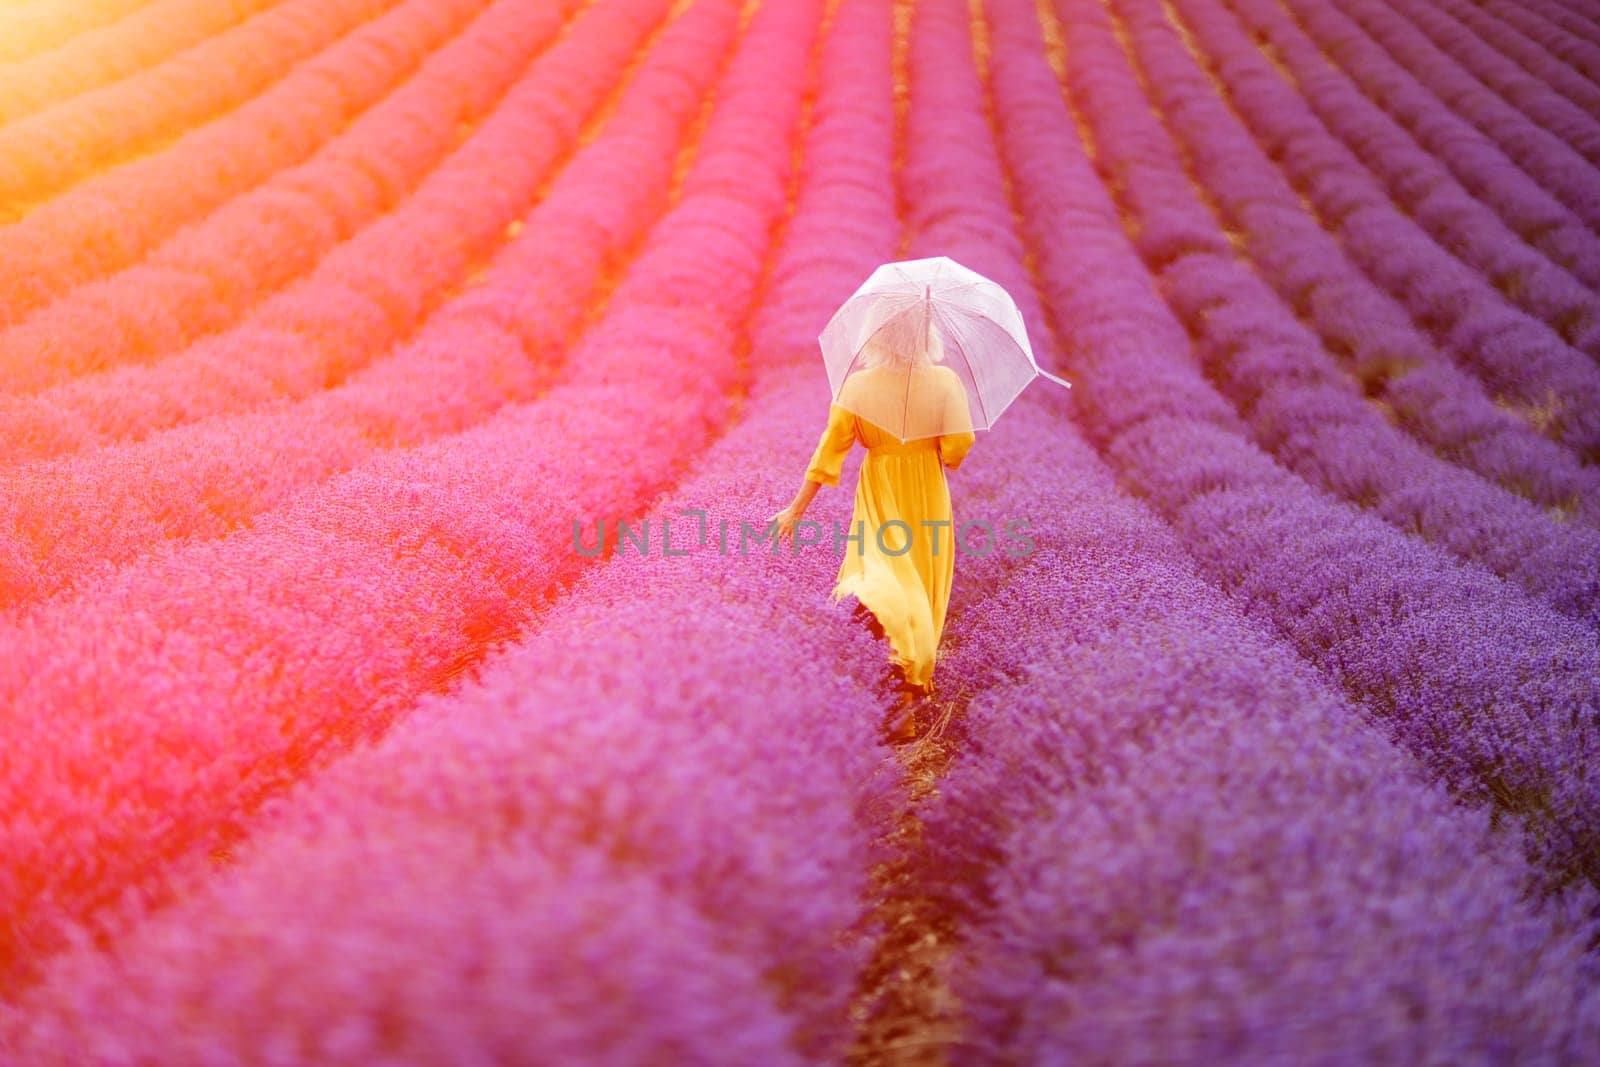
[[1480, 166], [1298, 401], [1375, 341], [325, 620], [1429, 396], [1295, 251], [511, 762], [1162, 803], [1430, 399], [501, 341], [570, 855], [1410, 176], [37, 28], [351, 308], [53, 148], [1531, 94], [111, 219], [1424, 187], [1484, 684], [204, 276], [1567, 34], [1548, 160], [1528, 42], [1517, 357], [1136, 753]]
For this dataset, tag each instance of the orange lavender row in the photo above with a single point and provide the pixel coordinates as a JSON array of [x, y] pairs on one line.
[[51, 149], [502, 340], [114, 218], [353, 306], [213, 268], [625, 862], [46, 25]]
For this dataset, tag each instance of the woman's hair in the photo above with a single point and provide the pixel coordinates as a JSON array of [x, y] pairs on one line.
[[902, 340]]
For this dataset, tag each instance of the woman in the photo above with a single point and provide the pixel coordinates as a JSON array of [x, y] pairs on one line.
[[911, 414]]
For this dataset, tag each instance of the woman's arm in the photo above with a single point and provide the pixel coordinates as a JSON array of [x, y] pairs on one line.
[[787, 517], [837, 438]]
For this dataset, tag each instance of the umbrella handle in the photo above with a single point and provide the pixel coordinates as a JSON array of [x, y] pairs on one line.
[[1053, 378]]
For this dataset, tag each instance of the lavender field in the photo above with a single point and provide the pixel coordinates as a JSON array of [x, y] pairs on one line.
[[327, 325]]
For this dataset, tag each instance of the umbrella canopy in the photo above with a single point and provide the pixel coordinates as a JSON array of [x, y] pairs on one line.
[[895, 347]]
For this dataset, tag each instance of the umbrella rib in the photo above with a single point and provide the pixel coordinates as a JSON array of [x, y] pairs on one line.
[[907, 414], [983, 408]]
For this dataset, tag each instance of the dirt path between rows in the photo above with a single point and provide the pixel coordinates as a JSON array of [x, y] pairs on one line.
[[904, 1011]]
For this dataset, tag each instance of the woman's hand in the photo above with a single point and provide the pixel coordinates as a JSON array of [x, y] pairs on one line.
[[786, 518], [791, 514]]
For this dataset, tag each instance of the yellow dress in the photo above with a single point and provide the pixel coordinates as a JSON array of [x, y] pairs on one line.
[[900, 571]]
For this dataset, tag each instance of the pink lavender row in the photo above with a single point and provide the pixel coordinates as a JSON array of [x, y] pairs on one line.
[[1397, 366], [609, 743], [1585, 17], [1530, 93], [1544, 157], [354, 306], [1527, 43], [25, 32], [1578, 17], [203, 277], [113, 219], [1517, 357], [1299, 402], [326, 619], [503, 340], [769, 920], [53, 148], [1412, 178], [1490, 688], [1541, 219], [1563, 32], [1136, 754], [577, 856]]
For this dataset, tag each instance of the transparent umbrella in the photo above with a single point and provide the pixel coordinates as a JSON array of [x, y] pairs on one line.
[[892, 348]]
